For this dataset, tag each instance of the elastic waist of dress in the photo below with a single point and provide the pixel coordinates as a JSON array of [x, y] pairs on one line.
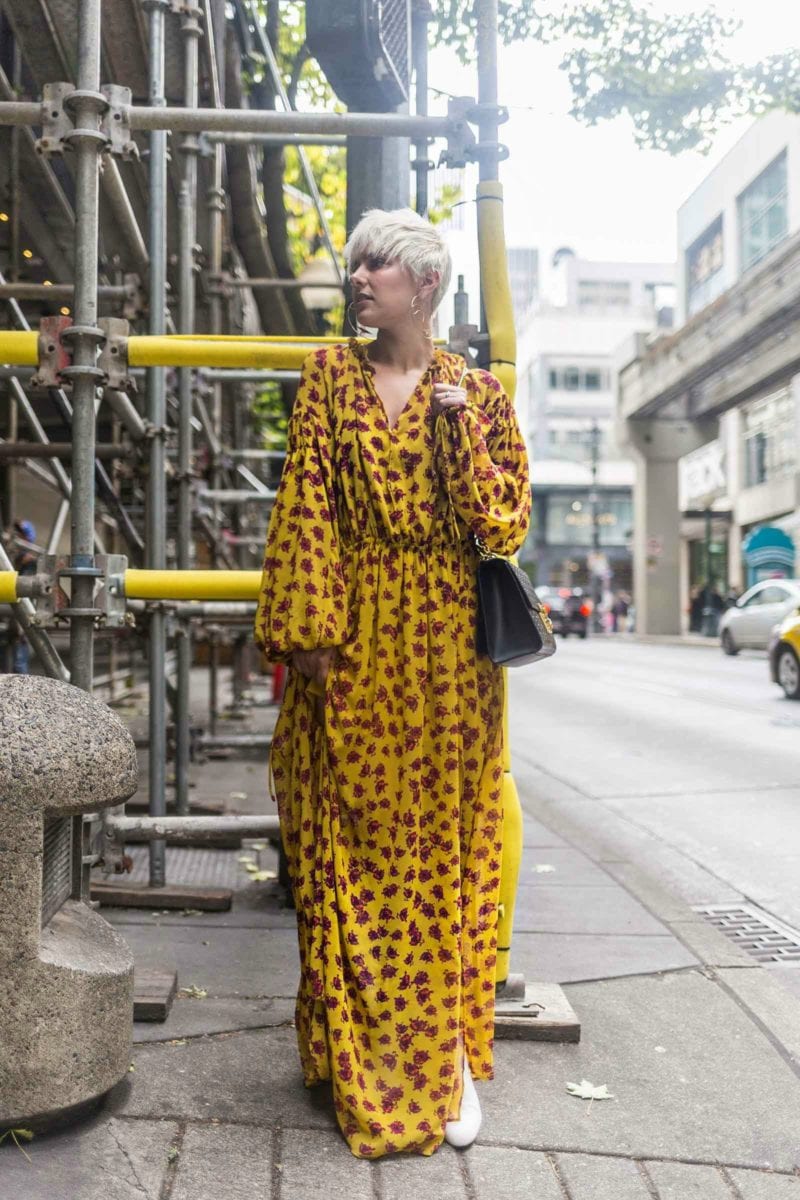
[[388, 542]]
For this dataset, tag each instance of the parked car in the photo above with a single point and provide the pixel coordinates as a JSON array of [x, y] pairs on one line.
[[749, 622], [569, 609], [784, 655]]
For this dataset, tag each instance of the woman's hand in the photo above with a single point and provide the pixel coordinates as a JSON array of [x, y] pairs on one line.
[[446, 396], [315, 664]]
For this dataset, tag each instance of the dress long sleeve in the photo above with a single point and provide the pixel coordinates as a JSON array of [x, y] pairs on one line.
[[482, 459], [302, 601]]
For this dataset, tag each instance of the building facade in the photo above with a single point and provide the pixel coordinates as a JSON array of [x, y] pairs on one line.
[[567, 363], [720, 397]]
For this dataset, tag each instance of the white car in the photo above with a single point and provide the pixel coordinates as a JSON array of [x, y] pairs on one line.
[[748, 623]]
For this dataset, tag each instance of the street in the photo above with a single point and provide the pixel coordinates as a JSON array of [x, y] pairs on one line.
[[693, 758]]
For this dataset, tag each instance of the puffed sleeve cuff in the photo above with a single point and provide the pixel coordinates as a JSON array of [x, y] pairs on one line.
[[484, 464]]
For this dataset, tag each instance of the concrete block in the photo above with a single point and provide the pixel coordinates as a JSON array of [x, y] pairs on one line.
[[684, 1181], [595, 1177], [509, 1173], [65, 988], [101, 1159], [763, 1185], [440, 1174], [581, 909], [224, 1162], [316, 1162], [569, 958], [190, 1018], [252, 1077]]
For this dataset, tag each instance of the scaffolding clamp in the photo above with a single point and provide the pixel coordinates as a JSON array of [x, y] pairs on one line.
[[460, 138], [108, 607], [56, 121], [113, 359], [54, 357], [116, 124]]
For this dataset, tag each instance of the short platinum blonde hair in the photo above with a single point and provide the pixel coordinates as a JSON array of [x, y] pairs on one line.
[[402, 235]]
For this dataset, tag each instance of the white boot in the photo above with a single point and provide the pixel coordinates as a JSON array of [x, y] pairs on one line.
[[464, 1131]]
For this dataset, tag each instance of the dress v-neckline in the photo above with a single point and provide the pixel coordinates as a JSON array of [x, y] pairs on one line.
[[361, 349]]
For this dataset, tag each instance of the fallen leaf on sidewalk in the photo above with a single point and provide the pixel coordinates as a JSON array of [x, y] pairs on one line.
[[238, 795], [196, 993], [245, 858], [540, 868], [587, 1091], [261, 876]]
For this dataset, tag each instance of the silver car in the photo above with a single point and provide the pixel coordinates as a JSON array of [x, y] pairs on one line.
[[748, 623]]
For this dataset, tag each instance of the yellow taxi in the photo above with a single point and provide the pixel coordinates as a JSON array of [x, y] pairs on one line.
[[784, 655]]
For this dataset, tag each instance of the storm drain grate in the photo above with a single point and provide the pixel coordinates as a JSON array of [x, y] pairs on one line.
[[756, 932]]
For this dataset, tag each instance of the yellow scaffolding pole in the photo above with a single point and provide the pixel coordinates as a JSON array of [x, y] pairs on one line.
[[19, 349], [192, 585], [8, 587], [496, 294]]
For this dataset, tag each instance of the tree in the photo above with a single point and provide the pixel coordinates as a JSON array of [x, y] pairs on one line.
[[669, 74]]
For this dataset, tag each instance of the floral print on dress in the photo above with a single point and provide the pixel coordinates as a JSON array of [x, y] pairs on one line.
[[391, 811]]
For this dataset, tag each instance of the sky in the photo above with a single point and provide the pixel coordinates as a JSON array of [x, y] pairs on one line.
[[592, 188]]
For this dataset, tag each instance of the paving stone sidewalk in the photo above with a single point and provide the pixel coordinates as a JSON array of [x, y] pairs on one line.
[[699, 1046]]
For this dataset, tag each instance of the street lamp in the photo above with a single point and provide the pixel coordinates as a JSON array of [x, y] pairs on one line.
[[593, 502]]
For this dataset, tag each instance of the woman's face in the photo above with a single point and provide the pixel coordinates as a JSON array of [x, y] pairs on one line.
[[383, 291]]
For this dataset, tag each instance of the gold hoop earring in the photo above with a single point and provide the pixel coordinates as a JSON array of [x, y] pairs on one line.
[[420, 316]]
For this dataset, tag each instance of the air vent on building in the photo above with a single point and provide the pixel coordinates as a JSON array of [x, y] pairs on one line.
[[363, 46], [56, 865]]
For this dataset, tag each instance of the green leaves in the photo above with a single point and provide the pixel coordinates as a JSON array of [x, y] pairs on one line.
[[670, 75]]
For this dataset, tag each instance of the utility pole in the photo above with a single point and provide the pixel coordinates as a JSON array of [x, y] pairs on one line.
[[593, 501]]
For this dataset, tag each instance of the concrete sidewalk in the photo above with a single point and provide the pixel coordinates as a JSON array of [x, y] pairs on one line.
[[698, 1044]]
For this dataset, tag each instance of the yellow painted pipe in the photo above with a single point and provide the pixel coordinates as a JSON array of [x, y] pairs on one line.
[[8, 587], [496, 292], [192, 585], [495, 286], [19, 349], [202, 352], [252, 353]]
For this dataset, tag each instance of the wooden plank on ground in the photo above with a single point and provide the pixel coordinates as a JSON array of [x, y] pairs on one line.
[[171, 895], [543, 1014], [153, 992]]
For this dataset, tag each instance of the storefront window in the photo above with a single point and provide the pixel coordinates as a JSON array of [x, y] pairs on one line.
[[569, 519]]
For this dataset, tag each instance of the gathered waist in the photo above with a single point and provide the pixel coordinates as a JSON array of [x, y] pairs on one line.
[[388, 541]]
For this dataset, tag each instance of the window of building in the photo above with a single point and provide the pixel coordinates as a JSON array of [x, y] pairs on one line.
[[769, 441], [763, 213], [604, 293], [704, 263], [579, 379]]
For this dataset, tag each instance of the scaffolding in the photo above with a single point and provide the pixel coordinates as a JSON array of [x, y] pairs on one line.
[[155, 308]]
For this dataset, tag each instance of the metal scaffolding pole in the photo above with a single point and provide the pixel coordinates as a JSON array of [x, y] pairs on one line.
[[259, 120], [277, 139], [187, 236], [157, 413], [86, 107]]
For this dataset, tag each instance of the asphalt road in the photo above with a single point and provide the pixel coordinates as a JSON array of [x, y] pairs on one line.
[[690, 757]]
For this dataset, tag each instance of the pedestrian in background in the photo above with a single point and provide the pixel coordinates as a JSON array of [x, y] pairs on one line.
[[387, 756], [24, 562]]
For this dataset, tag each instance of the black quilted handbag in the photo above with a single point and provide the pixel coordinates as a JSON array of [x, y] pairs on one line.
[[513, 626]]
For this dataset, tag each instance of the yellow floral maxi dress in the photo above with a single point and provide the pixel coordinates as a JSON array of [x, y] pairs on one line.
[[391, 814]]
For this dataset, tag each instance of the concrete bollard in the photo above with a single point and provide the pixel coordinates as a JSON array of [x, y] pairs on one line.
[[66, 977]]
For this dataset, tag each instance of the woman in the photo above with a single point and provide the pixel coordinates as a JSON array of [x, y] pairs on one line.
[[386, 760]]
